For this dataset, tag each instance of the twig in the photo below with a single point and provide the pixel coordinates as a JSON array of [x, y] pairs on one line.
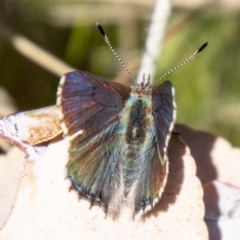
[[155, 38], [34, 52]]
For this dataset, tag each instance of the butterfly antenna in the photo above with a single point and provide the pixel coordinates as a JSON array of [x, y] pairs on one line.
[[182, 63], [114, 52]]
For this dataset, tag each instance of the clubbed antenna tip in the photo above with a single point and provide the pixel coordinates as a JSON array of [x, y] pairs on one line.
[[182, 63], [101, 30], [202, 47]]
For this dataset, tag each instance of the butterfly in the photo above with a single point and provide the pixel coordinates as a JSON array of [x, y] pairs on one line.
[[118, 139]]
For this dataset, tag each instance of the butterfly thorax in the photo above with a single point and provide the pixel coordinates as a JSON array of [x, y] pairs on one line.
[[137, 116]]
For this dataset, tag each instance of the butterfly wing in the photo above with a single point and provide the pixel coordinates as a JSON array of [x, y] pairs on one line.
[[154, 174], [164, 114], [90, 108]]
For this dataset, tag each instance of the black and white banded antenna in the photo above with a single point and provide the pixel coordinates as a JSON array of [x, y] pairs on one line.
[[182, 63], [114, 52]]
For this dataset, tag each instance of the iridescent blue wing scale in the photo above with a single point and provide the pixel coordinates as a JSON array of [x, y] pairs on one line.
[[90, 108]]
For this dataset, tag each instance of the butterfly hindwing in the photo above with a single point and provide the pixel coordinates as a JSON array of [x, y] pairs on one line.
[[95, 171], [151, 183]]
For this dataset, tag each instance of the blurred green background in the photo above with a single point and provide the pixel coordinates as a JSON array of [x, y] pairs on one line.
[[207, 88]]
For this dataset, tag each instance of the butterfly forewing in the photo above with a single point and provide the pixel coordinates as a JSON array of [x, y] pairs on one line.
[[88, 103], [164, 114]]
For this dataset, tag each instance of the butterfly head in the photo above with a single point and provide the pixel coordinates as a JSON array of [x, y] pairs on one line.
[[143, 88]]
